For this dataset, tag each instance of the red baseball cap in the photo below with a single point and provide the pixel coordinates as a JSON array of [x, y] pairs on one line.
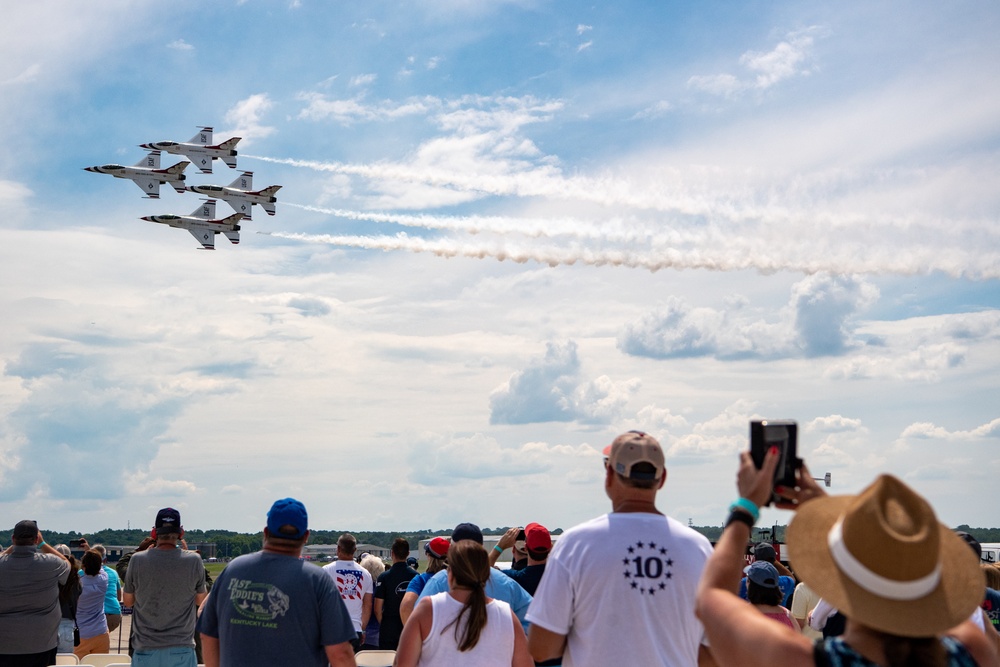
[[537, 538]]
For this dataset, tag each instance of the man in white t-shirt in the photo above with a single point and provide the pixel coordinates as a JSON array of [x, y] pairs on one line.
[[620, 589], [355, 585]]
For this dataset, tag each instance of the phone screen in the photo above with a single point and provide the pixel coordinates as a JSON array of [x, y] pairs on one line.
[[780, 433]]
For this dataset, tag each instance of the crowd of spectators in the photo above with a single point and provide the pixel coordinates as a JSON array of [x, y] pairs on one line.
[[875, 580]]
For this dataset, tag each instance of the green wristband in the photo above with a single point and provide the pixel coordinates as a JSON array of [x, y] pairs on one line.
[[498, 548], [748, 506]]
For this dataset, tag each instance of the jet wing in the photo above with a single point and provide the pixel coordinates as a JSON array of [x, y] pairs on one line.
[[205, 237], [200, 159], [150, 186]]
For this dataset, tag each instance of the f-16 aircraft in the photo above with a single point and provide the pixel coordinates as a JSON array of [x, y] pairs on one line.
[[202, 224], [199, 149], [147, 174], [240, 194]]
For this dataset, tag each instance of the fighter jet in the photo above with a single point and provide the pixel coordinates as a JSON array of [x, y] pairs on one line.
[[147, 174], [202, 224], [240, 194], [200, 149]]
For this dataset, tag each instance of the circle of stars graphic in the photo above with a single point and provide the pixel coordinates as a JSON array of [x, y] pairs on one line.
[[647, 567]]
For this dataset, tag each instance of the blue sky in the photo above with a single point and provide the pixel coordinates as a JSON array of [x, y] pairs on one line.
[[507, 231]]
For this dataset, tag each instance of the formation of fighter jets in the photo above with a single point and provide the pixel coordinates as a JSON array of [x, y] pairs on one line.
[[202, 223]]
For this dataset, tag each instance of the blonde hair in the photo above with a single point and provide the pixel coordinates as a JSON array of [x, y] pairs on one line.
[[374, 565]]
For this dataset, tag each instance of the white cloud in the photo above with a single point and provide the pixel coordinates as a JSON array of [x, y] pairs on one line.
[[789, 58], [821, 314], [581, 28], [180, 45], [29, 74], [362, 80], [245, 117], [551, 390], [657, 110]]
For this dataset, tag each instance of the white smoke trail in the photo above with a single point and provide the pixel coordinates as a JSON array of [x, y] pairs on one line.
[[665, 193], [615, 230], [739, 254], [544, 181]]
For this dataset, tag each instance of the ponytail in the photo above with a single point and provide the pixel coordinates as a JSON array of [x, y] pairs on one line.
[[470, 570], [476, 606]]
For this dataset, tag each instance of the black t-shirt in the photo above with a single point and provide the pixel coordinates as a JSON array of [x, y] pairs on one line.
[[528, 578], [390, 588]]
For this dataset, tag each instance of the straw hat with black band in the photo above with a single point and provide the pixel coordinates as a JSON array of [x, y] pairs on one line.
[[883, 560]]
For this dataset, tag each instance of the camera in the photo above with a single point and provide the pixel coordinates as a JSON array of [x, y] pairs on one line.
[[780, 433], [519, 540], [75, 544]]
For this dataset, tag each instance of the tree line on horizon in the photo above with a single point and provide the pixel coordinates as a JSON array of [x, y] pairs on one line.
[[230, 543]]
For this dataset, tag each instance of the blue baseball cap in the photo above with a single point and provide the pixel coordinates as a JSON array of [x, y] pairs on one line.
[[762, 573], [287, 512]]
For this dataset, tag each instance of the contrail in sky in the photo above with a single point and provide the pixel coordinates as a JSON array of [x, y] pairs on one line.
[[615, 229], [669, 227], [663, 193], [544, 181], [739, 254]]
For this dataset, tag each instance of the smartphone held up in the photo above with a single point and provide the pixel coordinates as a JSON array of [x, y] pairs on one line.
[[780, 433]]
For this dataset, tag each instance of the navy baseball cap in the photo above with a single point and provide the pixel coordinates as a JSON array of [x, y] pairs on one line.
[[467, 531], [287, 512], [168, 520]]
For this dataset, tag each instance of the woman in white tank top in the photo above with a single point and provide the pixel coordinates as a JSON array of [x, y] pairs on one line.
[[463, 626]]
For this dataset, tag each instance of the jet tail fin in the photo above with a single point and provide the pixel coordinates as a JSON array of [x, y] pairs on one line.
[[234, 236], [244, 181], [204, 137], [150, 161], [206, 210]]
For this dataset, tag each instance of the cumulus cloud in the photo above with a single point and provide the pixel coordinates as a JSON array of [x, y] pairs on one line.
[[673, 330], [930, 431], [763, 69], [601, 401], [551, 390], [926, 363], [823, 306], [245, 116], [540, 393], [818, 321], [719, 435]]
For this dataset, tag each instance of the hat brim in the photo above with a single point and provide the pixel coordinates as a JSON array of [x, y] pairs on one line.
[[956, 596]]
